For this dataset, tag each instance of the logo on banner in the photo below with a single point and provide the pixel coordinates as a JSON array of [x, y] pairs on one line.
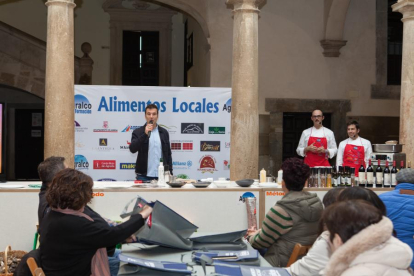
[[79, 128], [82, 105], [195, 107], [227, 145], [103, 142], [81, 163], [209, 145], [105, 128], [170, 129], [126, 146], [106, 179], [182, 145], [226, 165], [192, 128], [207, 164], [129, 128], [115, 105], [104, 164], [227, 106], [127, 166], [216, 130], [79, 145], [182, 165]]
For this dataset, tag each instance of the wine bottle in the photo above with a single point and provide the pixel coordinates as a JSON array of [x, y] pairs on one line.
[[347, 176], [394, 173], [379, 176], [402, 164], [361, 176], [343, 176], [353, 184], [387, 175], [334, 177], [408, 164], [370, 175]]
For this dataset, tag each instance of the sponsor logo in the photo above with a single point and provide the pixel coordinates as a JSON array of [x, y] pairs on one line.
[[127, 166], [103, 142], [318, 140], [355, 148], [129, 128], [227, 145], [226, 165], [182, 165], [195, 107], [104, 164], [207, 164], [227, 106], [126, 146], [209, 145], [79, 128], [246, 195], [98, 194], [81, 163], [106, 179], [170, 129], [270, 193], [79, 145], [192, 128], [82, 105], [105, 128], [182, 145], [216, 130]]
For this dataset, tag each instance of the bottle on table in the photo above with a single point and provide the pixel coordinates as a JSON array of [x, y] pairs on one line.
[[348, 176], [370, 175], [161, 179], [408, 164], [342, 176], [323, 178], [263, 176], [401, 165], [353, 184], [334, 177], [329, 178], [394, 172], [379, 179], [361, 176], [387, 175]]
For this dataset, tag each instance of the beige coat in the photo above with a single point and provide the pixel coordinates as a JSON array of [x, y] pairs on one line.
[[373, 251]]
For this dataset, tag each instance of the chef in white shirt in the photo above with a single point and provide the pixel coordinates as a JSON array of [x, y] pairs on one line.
[[354, 151], [317, 143]]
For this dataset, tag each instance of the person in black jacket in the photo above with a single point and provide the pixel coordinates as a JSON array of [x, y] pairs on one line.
[[70, 238], [152, 142]]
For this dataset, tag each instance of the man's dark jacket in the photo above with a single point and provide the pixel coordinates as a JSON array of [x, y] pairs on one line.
[[140, 144]]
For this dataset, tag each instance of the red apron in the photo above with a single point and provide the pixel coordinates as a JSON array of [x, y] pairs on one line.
[[354, 156], [314, 159]]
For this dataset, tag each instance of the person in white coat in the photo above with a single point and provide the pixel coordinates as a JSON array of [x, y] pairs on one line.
[[362, 242]]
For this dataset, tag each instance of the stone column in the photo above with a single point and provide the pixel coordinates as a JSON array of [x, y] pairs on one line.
[[244, 151], [59, 90], [406, 7]]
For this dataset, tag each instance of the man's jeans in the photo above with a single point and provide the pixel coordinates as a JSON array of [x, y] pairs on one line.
[[114, 263]]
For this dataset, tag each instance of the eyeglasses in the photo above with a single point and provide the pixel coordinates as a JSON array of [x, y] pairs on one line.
[[317, 116]]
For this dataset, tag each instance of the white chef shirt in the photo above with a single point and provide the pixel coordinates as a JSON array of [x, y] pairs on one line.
[[357, 142], [321, 132]]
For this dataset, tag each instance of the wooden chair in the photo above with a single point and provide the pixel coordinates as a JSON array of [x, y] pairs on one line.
[[298, 250], [34, 269]]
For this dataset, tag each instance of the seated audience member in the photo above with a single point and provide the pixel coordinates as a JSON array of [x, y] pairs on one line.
[[400, 207], [294, 218], [72, 242], [47, 171], [362, 242], [318, 255]]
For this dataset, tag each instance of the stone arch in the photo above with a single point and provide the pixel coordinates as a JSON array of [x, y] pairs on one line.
[[335, 12]]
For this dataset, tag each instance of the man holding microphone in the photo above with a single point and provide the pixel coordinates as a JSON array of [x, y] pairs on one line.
[[152, 142], [317, 143], [354, 151]]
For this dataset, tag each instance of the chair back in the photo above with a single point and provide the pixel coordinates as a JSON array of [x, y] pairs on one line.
[[298, 251]]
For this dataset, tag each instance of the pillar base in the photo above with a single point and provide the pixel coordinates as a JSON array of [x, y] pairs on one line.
[[331, 47]]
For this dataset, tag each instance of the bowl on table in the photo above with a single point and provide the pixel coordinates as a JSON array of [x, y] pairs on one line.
[[201, 184], [177, 184], [245, 182], [221, 183]]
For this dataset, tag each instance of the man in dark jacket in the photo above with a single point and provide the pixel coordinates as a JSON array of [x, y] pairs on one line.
[[152, 142]]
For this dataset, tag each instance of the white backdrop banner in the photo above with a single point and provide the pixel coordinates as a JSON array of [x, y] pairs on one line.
[[197, 119]]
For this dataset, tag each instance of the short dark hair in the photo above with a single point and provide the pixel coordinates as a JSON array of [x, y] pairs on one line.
[[295, 173], [353, 193], [151, 106], [70, 189], [347, 218], [332, 196], [353, 123], [50, 167]]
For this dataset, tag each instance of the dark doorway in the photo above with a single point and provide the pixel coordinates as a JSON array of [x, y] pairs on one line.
[[29, 133], [294, 123], [395, 38], [140, 58]]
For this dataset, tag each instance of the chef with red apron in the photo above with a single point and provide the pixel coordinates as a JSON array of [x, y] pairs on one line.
[[355, 150], [317, 143]]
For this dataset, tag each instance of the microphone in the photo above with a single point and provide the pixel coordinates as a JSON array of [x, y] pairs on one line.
[[149, 132]]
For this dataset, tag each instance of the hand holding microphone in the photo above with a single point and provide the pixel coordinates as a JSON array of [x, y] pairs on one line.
[[149, 127]]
